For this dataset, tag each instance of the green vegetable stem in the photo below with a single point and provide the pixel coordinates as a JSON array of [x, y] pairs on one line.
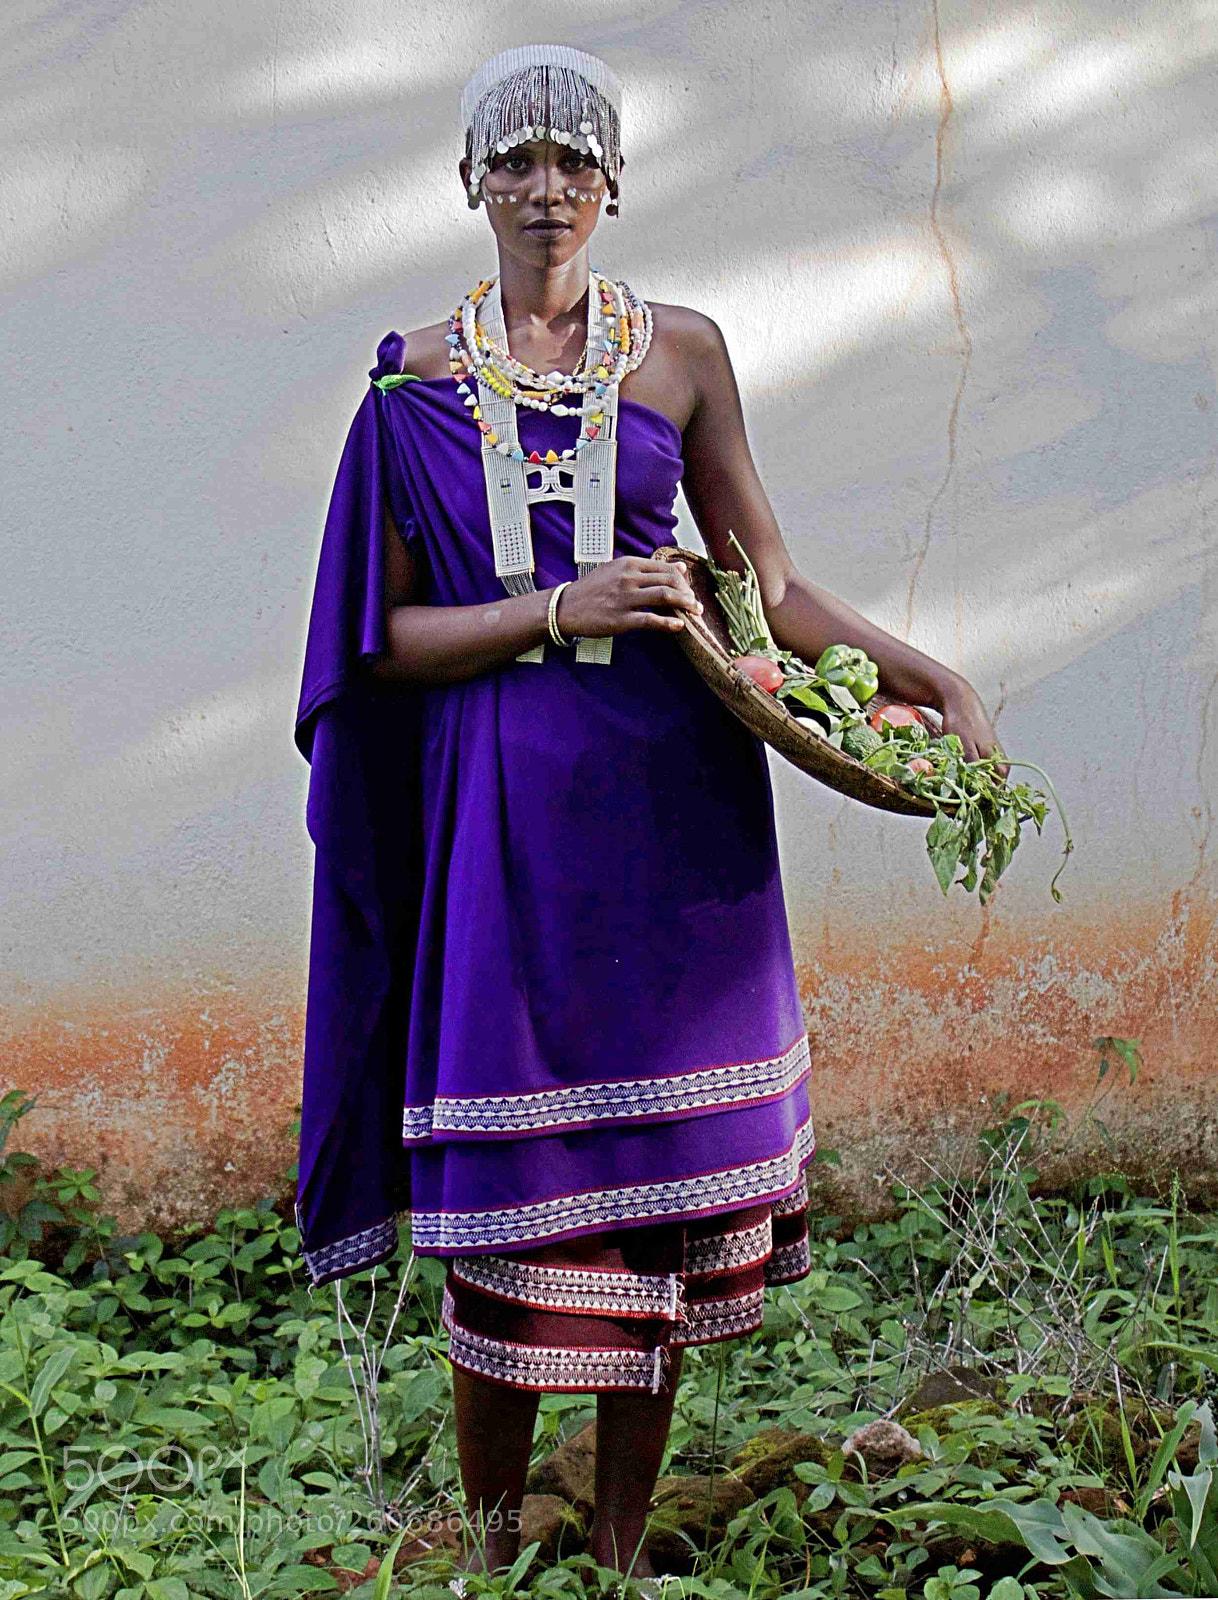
[[1069, 844], [740, 596]]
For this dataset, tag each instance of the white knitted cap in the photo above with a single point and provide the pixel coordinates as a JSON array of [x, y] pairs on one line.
[[598, 73]]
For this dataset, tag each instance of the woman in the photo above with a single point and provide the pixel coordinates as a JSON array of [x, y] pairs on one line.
[[548, 921]]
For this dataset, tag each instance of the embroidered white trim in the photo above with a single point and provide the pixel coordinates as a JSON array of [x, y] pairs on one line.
[[416, 1123], [721, 1319], [367, 1248], [508, 1227], [621, 1294], [550, 1366], [797, 1200], [789, 1262], [728, 1252], [701, 1089]]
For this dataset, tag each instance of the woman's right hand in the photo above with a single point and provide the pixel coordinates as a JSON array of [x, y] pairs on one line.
[[629, 592]]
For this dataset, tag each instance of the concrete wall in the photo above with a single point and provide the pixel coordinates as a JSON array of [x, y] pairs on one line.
[[964, 255]]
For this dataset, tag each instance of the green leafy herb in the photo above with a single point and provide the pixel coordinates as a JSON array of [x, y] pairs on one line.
[[975, 810]]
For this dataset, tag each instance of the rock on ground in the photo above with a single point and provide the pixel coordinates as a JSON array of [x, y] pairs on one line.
[[948, 1387], [884, 1446], [679, 1515], [569, 1471], [770, 1459], [557, 1525]]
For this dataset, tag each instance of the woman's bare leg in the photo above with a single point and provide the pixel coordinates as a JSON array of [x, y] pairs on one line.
[[494, 1440], [631, 1431]]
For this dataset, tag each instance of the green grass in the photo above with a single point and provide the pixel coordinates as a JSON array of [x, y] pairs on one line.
[[182, 1419]]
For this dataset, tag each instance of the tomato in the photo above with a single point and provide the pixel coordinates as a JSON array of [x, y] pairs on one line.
[[765, 674], [921, 764], [898, 716]]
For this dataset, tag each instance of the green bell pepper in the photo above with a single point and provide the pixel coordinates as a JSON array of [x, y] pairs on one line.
[[851, 668]]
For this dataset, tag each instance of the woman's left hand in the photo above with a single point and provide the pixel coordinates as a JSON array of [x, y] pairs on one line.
[[964, 715]]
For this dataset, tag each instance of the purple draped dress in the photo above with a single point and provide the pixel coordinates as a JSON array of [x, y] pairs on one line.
[[551, 988]]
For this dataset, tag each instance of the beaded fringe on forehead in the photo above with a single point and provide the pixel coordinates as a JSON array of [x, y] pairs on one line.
[[545, 97]]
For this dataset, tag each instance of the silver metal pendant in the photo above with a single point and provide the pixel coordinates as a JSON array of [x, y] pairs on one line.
[[589, 481]]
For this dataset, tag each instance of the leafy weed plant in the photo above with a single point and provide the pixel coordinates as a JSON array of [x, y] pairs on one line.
[[181, 1418]]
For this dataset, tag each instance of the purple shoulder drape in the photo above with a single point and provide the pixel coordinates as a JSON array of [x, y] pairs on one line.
[[360, 737]]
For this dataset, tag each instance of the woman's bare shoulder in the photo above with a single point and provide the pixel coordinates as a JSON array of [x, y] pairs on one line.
[[674, 373], [680, 322], [427, 351], [688, 342]]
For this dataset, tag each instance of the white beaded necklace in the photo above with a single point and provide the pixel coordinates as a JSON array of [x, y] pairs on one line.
[[585, 474]]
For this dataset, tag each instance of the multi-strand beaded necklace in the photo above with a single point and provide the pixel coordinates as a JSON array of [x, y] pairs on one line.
[[619, 334]]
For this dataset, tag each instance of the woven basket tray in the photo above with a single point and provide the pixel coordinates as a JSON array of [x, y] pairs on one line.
[[707, 643]]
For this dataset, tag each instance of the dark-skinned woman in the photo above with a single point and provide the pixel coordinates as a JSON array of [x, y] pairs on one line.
[[553, 1019]]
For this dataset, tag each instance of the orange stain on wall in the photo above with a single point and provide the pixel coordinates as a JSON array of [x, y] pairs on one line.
[[184, 1101], [913, 1043]]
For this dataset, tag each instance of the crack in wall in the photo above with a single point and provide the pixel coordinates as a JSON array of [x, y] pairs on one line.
[[978, 950], [946, 107], [1002, 700], [1204, 841], [1201, 515]]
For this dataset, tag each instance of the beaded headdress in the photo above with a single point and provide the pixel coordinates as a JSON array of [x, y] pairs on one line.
[[542, 91]]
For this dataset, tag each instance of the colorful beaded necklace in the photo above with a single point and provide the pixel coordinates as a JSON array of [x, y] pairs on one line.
[[619, 335]]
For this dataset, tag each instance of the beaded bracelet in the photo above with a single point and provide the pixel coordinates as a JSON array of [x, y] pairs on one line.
[[552, 617]]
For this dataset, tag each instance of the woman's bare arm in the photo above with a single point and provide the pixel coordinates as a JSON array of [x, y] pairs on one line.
[[725, 493], [448, 644]]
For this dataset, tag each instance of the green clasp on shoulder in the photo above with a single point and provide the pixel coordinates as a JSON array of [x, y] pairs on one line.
[[393, 380]]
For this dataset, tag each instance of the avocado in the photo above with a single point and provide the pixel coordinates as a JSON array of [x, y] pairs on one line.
[[860, 741]]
